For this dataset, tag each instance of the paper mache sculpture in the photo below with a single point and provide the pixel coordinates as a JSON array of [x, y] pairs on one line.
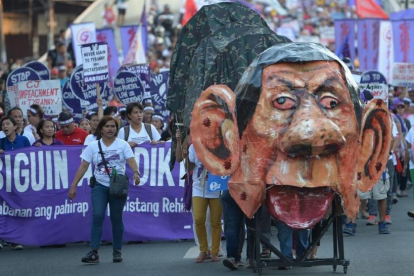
[[292, 134]]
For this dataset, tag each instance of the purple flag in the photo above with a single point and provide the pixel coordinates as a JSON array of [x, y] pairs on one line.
[[405, 14], [368, 43], [107, 35], [144, 25], [127, 36], [363, 47], [403, 36], [373, 43], [345, 30], [35, 209]]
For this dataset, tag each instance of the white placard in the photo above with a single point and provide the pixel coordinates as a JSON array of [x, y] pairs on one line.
[[377, 90], [95, 62], [46, 93], [82, 33], [403, 74]]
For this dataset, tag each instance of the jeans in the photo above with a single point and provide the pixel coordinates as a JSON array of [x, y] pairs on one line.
[[233, 221], [285, 236], [100, 199]]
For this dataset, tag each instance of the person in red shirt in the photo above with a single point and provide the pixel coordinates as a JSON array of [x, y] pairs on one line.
[[69, 133]]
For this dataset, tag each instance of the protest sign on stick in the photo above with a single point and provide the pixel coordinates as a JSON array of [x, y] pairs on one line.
[[45, 93], [403, 74], [16, 76], [40, 68], [128, 88]]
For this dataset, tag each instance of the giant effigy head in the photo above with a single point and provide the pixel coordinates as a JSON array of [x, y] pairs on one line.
[[292, 134]]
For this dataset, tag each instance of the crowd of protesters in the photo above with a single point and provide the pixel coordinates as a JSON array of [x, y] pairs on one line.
[[137, 123]]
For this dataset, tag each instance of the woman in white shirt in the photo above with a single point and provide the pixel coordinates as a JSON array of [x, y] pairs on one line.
[[137, 131], [117, 152], [202, 199]]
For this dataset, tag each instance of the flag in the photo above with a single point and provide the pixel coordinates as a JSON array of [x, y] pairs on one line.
[[136, 52], [370, 9], [343, 51], [144, 25], [190, 10]]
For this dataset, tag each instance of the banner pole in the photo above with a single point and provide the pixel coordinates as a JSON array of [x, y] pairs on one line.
[[98, 90]]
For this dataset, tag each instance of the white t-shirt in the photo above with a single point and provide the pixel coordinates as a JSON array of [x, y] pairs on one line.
[[410, 139], [198, 190], [89, 139], [30, 128], [27, 134], [140, 137], [115, 156]]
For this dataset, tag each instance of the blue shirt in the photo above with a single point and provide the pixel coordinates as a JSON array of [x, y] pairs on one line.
[[19, 142]]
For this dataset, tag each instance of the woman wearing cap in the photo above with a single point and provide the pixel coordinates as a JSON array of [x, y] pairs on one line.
[[116, 153], [46, 132], [35, 114], [158, 121], [148, 112]]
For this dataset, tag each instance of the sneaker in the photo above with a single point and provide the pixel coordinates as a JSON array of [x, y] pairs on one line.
[[240, 263], [403, 194], [117, 256], [1, 246], [388, 219], [230, 263], [394, 199], [383, 228], [220, 253], [91, 258], [410, 214], [350, 229], [16, 246], [284, 267], [372, 220]]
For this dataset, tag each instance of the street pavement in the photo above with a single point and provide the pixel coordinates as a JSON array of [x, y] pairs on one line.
[[369, 253]]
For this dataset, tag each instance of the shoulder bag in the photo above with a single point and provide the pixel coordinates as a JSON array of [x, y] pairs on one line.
[[118, 183]]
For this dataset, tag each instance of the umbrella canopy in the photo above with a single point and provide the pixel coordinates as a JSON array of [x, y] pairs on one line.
[[205, 22], [222, 58]]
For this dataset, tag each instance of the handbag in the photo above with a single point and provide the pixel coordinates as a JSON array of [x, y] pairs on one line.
[[118, 183]]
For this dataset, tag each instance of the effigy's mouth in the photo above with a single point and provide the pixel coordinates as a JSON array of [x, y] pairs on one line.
[[299, 208]]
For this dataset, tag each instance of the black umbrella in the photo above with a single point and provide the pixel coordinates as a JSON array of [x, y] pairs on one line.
[[205, 22]]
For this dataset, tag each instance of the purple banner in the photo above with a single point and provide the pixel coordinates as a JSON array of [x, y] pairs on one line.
[[159, 91], [72, 103], [128, 88], [35, 210], [40, 69], [368, 43], [127, 36], [107, 35], [143, 73], [345, 34], [403, 36]]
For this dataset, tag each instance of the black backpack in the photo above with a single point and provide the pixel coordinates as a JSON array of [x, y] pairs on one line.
[[147, 128]]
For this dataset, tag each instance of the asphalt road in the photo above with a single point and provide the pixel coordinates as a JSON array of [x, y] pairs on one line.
[[369, 253]]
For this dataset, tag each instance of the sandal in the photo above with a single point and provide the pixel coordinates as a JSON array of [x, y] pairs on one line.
[[215, 258], [201, 257], [265, 254]]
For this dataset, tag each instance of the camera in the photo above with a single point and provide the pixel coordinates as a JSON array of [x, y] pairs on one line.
[[92, 182]]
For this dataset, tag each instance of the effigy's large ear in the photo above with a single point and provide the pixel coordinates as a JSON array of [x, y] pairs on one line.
[[214, 130], [375, 144]]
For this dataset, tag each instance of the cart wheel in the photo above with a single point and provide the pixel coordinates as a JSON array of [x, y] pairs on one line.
[[334, 268], [345, 269]]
